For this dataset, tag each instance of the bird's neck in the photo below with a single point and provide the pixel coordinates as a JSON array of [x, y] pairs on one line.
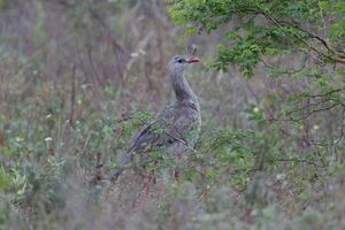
[[182, 89]]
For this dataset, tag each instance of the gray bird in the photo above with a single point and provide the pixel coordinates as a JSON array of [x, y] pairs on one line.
[[177, 127]]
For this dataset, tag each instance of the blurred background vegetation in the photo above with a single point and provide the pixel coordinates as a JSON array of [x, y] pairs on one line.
[[79, 77]]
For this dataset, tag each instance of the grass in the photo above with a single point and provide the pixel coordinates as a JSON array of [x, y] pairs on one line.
[[48, 165]]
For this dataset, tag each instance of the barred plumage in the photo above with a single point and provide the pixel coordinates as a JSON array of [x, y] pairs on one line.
[[177, 127]]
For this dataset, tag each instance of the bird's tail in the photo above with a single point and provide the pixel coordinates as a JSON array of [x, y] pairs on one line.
[[124, 164]]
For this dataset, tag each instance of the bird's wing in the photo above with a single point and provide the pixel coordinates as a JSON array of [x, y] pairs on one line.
[[143, 140], [152, 134], [173, 125], [185, 127]]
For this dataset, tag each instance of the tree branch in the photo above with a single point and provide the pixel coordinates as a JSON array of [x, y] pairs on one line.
[[339, 58]]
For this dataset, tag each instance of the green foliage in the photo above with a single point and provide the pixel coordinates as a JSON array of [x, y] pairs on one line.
[[254, 38], [5, 179], [39, 32], [3, 4]]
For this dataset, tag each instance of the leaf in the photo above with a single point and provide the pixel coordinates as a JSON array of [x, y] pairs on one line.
[[5, 179]]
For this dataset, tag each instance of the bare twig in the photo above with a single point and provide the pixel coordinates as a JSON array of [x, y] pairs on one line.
[[287, 72], [73, 92], [298, 161]]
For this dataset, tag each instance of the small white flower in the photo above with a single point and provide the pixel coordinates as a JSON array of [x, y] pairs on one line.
[[49, 116], [134, 54], [256, 110], [141, 51], [84, 86], [48, 139], [19, 139], [280, 176], [316, 127]]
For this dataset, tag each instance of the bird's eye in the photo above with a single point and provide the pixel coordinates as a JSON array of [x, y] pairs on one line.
[[180, 60]]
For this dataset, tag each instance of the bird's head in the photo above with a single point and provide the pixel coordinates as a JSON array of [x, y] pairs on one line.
[[179, 63]]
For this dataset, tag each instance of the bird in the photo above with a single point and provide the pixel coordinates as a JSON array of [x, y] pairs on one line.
[[177, 127]]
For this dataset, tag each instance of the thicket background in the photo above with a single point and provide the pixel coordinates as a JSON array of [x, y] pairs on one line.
[[79, 78]]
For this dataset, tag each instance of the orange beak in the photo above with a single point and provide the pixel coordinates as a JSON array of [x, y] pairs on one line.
[[193, 60]]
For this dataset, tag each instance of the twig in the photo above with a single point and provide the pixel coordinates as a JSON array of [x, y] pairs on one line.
[[340, 58], [73, 92], [288, 72], [298, 161], [327, 93]]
